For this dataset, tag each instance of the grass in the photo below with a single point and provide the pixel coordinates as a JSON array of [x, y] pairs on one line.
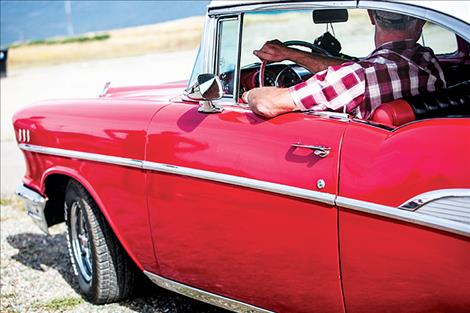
[[170, 36], [61, 41], [61, 304], [13, 201], [5, 201]]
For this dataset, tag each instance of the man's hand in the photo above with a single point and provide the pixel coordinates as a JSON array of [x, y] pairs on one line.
[[273, 51], [269, 101]]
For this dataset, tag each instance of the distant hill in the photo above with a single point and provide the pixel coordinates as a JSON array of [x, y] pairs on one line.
[[36, 20]]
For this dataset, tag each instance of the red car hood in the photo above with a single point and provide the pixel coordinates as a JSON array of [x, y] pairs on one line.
[[156, 92]]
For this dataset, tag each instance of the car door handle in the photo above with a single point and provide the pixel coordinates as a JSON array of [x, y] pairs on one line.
[[320, 151]]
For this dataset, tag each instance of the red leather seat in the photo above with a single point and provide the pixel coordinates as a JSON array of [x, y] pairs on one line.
[[395, 113]]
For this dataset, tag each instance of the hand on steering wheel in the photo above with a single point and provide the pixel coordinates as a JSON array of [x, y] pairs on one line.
[[275, 51]]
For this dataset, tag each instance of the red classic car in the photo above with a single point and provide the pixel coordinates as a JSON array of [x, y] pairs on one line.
[[304, 212]]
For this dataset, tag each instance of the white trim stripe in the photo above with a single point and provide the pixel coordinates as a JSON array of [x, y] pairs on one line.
[[358, 205], [185, 171]]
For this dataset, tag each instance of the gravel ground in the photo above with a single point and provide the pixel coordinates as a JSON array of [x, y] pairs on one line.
[[36, 276]]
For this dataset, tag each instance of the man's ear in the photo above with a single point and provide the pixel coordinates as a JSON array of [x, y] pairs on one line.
[[371, 16], [420, 25]]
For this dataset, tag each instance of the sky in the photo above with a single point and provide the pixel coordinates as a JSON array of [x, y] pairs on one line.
[[32, 20]]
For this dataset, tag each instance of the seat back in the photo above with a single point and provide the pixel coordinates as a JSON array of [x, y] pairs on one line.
[[453, 101]]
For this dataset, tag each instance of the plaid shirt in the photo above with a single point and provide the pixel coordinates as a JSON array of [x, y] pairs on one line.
[[392, 71]]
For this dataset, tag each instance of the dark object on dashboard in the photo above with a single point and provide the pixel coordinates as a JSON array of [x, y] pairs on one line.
[[325, 16], [328, 42]]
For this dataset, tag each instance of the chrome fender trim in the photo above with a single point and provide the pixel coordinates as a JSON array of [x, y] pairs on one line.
[[243, 182], [420, 200], [404, 215], [204, 296], [425, 209], [185, 171]]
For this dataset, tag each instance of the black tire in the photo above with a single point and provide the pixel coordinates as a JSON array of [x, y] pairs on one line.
[[104, 271]]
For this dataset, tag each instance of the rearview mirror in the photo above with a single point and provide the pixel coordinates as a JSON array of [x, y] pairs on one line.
[[325, 16], [207, 88]]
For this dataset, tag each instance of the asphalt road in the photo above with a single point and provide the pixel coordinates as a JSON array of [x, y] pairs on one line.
[[78, 80]]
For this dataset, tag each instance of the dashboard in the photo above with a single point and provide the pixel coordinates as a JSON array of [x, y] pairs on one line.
[[275, 75]]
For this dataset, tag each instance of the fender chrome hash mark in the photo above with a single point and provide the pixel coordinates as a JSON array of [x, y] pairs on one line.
[[363, 206]]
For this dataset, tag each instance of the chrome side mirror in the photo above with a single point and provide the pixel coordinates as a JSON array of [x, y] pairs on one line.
[[207, 88]]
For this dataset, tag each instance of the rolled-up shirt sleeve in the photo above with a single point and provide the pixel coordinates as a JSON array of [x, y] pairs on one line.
[[333, 88]]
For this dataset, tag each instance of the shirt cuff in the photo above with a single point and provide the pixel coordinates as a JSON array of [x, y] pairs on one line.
[[297, 101]]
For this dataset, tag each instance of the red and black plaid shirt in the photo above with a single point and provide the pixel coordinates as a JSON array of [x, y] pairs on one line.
[[392, 71]]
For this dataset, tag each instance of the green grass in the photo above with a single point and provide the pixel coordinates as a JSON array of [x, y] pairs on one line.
[[61, 304], [5, 201], [60, 41]]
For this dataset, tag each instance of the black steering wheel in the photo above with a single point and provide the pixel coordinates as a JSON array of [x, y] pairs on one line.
[[315, 49]]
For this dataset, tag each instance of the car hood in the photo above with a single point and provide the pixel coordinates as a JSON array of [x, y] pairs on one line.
[[165, 91]]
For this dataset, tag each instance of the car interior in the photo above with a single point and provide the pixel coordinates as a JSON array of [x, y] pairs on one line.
[[451, 50]]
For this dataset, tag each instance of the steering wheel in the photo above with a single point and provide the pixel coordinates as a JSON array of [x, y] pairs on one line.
[[311, 46]]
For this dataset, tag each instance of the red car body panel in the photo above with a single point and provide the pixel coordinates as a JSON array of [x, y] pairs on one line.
[[101, 126], [382, 259], [228, 233], [217, 236]]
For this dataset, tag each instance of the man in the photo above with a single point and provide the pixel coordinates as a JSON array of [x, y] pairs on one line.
[[397, 68]]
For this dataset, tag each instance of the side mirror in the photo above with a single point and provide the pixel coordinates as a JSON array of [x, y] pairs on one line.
[[206, 89]]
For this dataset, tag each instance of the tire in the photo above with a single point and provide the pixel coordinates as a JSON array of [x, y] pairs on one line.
[[104, 271]]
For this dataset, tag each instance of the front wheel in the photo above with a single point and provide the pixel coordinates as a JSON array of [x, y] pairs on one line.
[[104, 270]]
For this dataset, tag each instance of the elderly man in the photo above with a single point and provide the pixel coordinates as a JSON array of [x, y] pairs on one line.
[[397, 68]]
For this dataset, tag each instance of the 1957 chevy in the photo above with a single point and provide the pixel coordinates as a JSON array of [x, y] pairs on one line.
[[304, 212]]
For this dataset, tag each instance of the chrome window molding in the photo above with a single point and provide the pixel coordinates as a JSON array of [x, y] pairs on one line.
[[236, 85], [269, 6], [215, 61], [204, 296], [406, 216], [424, 218]]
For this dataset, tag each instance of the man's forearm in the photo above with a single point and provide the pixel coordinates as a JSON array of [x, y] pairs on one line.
[[270, 101], [313, 62]]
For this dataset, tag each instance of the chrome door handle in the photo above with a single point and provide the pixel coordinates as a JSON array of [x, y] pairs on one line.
[[320, 151]]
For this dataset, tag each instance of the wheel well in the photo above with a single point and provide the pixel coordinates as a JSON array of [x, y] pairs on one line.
[[55, 192]]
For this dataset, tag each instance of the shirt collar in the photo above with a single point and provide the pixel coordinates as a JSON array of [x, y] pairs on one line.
[[397, 45]]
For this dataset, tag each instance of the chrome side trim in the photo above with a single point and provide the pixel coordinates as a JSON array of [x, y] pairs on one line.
[[82, 155], [453, 208], [185, 171], [204, 296], [243, 182], [35, 204], [420, 200], [403, 215], [417, 217]]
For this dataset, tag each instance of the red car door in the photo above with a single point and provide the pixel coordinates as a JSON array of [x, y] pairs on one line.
[[398, 259], [237, 210]]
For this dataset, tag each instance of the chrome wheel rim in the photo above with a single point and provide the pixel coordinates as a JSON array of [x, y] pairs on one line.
[[80, 241]]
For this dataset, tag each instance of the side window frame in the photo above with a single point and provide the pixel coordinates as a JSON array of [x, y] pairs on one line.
[[236, 74]]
